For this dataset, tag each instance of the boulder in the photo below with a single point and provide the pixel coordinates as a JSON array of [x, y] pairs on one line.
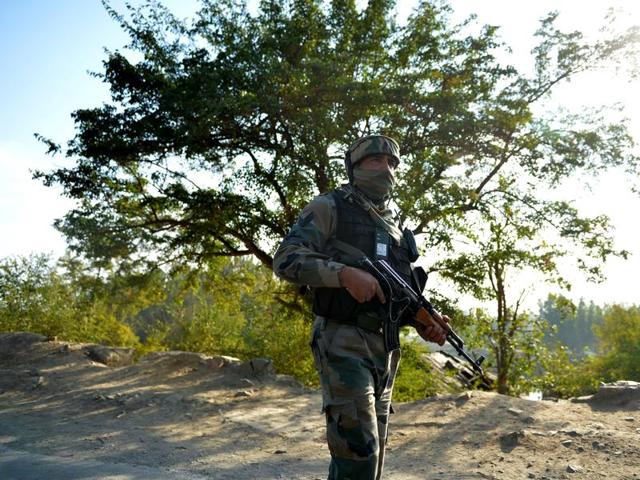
[[618, 393], [180, 358], [257, 367], [18, 341], [509, 441], [110, 356]]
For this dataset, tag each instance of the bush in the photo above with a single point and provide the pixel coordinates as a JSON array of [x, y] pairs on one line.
[[619, 344], [34, 297], [415, 379], [565, 378]]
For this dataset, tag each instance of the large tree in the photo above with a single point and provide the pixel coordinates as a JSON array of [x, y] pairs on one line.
[[227, 124], [222, 127]]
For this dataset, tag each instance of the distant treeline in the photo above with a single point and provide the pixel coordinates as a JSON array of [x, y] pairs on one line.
[[572, 326], [589, 344]]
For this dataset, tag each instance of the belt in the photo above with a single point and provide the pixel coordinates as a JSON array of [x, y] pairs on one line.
[[366, 322]]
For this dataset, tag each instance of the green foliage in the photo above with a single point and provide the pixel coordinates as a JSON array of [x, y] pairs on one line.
[[563, 377], [415, 379], [619, 344], [515, 348], [227, 308], [230, 309], [616, 355], [34, 297]]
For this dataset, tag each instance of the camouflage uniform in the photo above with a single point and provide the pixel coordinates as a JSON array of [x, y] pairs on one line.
[[356, 372]]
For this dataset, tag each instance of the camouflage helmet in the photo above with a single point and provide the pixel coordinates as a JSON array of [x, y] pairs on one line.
[[370, 145]]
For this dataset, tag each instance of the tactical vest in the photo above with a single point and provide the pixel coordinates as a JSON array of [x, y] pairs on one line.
[[355, 227]]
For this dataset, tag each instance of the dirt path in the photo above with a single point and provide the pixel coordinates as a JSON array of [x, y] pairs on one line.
[[189, 416]]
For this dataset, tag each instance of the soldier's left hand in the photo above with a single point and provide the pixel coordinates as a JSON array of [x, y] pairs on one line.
[[443, 320], [432, 328]]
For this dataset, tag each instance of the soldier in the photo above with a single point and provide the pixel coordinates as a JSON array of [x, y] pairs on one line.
[[356, 372]]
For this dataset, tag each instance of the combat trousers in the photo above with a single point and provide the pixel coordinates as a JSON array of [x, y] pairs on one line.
[[357, 377]]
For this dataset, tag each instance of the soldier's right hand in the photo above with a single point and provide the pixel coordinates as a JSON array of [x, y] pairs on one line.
[[361, 285]]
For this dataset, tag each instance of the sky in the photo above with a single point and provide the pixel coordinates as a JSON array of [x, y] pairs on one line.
[[47, 50]]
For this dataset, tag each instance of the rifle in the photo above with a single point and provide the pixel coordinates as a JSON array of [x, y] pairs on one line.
[[405, 303]]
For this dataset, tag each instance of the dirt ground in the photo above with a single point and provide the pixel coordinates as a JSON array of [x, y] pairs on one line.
[[193, 416]]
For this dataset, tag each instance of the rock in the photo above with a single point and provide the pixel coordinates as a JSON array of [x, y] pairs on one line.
[[531, 475], [110, 356], [254, 368], [181, 358], [595, 425], [174, 398], [629, 419], [529, 420], [221, 361], [583, 399], [574, 468], [598, 445], [38, 382], [131, 400], [463, 398], [247, 382], [18, 340], [243, 393], [279, 452], [617, 393], [511, 440], [261, 366], [567, 443], [580, 449], [287, 380], [18, 344], [515, 411]]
